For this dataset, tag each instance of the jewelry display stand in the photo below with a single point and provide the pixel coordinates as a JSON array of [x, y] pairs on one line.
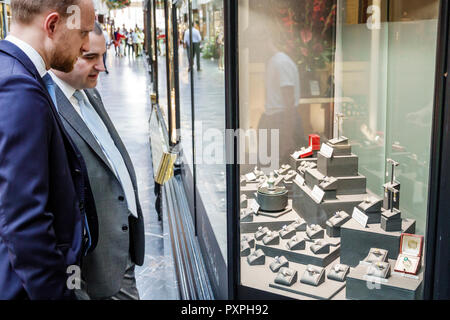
[[250, 239], [245, 249], [397, 287], [286, 277], [246, 215], [287, 232], [344, 190], [379, 269], [271, 238], [338, 272], [376, 255], [299, 224], [278, 263], [256, 258], [261, 233], [304, 256], [320, 247], [296, 243], [333, 225], [314, 232], [313, 275]]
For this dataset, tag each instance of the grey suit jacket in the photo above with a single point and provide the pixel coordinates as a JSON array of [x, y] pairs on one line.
[[119, 233]]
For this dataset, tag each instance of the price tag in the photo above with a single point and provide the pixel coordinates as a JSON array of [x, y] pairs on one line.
[[360, 217], [318, 194], [250, 176], [326, 150], [300, 180], [296, 155], [255, 206]]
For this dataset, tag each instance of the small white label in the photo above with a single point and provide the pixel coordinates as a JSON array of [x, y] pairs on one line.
[[360, 217], [250, 176], [326, 150], [255, 206], [318, 194], [315, 87], [296, 155], [300, 180]]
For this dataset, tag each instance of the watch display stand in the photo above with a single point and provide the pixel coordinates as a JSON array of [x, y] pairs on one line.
[[256, 258], [249, 239], [333, 225], [338, 272], [261, 233], [286, 277], [376, 255], [278, 263], [315, 231], [360, 286], [245, 249], [379, 269], [299, 224], [271, 238], [313, 275], [296, 243], [287, 232], [320, 247], [246, 215]]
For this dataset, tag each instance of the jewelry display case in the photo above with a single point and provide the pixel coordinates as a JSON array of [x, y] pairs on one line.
[[330, 122], [410, 258]]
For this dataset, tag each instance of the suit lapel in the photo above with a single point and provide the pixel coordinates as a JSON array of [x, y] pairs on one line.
[[97, 103], [67, 111]]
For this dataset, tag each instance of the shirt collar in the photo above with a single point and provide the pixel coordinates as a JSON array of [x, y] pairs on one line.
[[34, 56], [66, 88]]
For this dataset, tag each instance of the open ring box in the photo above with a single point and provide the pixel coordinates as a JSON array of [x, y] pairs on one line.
[[410, 256]]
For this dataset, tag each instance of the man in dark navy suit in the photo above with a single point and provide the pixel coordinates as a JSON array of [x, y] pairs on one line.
[[44, 193]]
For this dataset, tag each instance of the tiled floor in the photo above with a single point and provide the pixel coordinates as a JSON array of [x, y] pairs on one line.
[[125, 94]]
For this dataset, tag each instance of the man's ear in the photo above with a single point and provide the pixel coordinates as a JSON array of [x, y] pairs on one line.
[[51, 24]]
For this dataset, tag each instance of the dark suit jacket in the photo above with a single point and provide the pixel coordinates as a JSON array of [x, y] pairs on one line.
[[43, 190], [119, 232]]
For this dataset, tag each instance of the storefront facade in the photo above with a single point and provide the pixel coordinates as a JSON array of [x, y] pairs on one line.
[[314, 166]]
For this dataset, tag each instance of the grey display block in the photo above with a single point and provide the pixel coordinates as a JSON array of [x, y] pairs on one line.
[[338, 166], [319, 213], [275, 214], [391, 225], [305, 256], [357, 241], [396, 287], [351, 185]]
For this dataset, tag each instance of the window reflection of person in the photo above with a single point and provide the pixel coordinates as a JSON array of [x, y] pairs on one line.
[[282, 87]]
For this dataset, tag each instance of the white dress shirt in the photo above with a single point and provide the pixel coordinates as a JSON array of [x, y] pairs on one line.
[[31, 53], [196, 36], [68, 91]]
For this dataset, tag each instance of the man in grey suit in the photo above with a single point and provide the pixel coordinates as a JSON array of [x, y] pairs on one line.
[[108, 271]]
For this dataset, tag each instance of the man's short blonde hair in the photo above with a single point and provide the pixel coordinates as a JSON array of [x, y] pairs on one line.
[[24, 11]]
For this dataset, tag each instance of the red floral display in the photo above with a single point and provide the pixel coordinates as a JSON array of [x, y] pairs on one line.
[[308, 27]]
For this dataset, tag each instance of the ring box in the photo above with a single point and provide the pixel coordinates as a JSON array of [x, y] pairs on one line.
[[376, 255], [411, 249], [245, 249], [299, 224], [271, 238], [315, 232], [249, 239], [246, 215], [313, 275], [296, 243], [260, 234]]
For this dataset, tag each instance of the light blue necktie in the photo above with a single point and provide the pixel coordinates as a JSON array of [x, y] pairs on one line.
[[103, 137], [50, 85]]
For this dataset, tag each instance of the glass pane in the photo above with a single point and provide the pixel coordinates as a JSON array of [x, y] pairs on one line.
[[161, 35], [336, 101], [209, 102]]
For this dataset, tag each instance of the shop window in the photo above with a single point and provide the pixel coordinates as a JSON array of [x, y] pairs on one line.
[[336, 102]]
